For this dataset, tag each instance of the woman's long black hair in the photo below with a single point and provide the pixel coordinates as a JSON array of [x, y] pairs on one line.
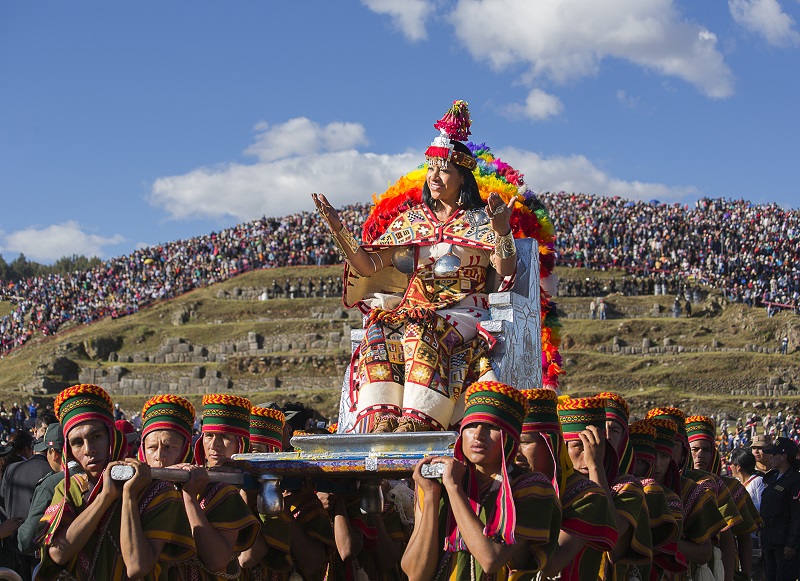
[[470, 197]]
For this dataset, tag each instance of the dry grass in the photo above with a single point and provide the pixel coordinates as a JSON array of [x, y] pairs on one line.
[[699, 381]]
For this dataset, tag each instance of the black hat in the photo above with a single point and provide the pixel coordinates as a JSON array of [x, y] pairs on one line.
[[53, 438], [783, 446]]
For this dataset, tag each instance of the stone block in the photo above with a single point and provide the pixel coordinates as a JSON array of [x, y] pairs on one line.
[[645, 343], [174, 341], [334, 336], [182, 348], [198, 372], [242, 347]]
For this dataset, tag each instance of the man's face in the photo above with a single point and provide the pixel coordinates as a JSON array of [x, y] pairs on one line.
[[575, 451], [90, 446], [163, 448], [702, 452], [760, 456], [614, 433], [534, 454], [482, 445], [54, 459], [661, 466], [219, 447]]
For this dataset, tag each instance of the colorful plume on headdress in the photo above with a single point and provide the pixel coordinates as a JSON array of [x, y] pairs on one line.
[[529, 219], [456, 122], [454, 126]]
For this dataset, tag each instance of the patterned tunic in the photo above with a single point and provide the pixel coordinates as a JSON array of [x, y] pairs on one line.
[[587, 514], [226, 511], [666, 523], [630, 502], [421, 346], [162, 518], [701, 518], [276, 565], [536, 507]]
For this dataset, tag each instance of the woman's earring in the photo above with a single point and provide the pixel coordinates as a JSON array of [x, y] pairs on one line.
[[461, 197]]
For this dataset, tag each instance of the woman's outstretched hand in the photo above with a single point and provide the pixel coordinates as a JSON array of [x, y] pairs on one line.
[[500, 213], [328, 212]]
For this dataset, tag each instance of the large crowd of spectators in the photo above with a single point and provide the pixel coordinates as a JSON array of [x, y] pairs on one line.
[[751, 252]]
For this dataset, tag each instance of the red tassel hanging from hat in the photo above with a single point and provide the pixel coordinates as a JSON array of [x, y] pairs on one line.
[[456, 121]]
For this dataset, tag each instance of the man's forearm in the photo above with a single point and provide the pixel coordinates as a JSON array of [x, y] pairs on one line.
[[137, 553], [67, 546]]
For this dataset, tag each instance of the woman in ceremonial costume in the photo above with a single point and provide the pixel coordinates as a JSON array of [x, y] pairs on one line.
[[635, 544], [222, 524], [702, 519], [664, 506], [97, 528], [588, 527], [485, 514], [701, 433], [423, 277]]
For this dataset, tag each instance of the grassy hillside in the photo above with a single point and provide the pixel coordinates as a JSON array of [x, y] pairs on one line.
[[301, 355]]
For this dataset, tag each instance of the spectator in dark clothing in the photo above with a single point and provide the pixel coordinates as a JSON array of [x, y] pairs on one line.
[[53, 445], [780, 510], [16, 492]]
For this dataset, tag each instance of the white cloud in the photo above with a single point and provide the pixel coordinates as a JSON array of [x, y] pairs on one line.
[[766, 18], [568, 39], [281, 186], [407, 15], [627, 100], [301, 136], [294, 159], [576, 173], [538, 106], [49, 243]]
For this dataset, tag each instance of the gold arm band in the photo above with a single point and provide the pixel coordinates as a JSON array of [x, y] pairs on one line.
[[504, 246], [348, 239]]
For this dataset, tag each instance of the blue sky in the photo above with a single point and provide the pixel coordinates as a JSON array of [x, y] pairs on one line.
[[125, 124]]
